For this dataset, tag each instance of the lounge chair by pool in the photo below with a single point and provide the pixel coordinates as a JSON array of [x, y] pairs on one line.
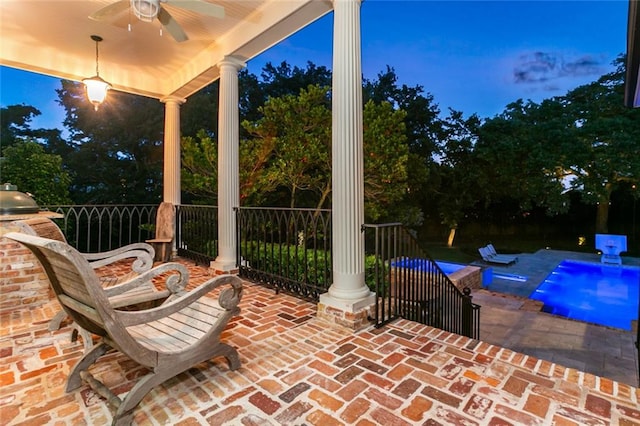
[[494, 253], [487, 256]]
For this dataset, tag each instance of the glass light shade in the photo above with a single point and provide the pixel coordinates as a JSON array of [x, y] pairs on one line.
[[145, 10], [96, 90]]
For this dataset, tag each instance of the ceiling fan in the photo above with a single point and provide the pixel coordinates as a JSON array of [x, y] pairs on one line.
[[148, 10]]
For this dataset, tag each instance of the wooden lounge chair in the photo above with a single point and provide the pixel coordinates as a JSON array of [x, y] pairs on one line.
[[142, 254], [169, 339]]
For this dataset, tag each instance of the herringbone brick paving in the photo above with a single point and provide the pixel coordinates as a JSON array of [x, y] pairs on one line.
[[298, 370]]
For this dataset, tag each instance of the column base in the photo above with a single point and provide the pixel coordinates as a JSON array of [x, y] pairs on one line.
[[221, 268], [352, 314]]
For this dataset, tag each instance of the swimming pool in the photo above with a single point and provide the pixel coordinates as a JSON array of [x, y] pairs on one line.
[[446, 267], [591, 292]]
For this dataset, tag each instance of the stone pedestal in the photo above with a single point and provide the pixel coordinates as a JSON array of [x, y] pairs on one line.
[[354, 315]]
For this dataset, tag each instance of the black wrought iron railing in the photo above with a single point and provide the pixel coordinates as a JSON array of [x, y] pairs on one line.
[[96, 228], [411, 285], [197, 232], [290, 250], [287, 249]]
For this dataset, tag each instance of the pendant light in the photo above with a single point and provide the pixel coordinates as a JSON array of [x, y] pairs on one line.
[[96, 86]]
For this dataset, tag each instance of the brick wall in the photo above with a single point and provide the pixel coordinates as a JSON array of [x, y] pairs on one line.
[[22, 279], [469, 276]]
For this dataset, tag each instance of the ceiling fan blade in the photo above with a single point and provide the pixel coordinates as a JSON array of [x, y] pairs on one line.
[[199, 6], [171, 25], [109, 11]]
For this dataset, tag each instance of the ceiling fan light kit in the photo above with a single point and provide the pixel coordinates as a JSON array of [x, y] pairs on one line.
[[148, 10], [145, 10]]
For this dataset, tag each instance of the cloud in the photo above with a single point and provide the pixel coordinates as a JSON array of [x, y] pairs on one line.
[[535, 68], [585, 65], [540, 68]]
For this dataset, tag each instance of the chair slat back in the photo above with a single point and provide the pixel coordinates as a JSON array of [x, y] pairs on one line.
[[80, 292], [165, 221], [71, 278]]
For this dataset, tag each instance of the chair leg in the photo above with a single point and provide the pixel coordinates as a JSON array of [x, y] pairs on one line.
[[56, 321], [87, 340], [124, 414], [74, 381], [231, 354]]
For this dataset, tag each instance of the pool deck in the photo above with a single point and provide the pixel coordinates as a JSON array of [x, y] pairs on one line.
[[536, 267], [512, 321]]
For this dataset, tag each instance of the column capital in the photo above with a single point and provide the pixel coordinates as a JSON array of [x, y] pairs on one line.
[[173, 99], [232, 61]]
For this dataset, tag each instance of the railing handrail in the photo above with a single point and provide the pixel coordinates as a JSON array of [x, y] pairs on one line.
[[288, 249], [292, 209], [102, 227], [425, 294]]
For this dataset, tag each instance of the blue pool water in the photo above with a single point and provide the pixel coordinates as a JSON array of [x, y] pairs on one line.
[[447, 268], [596, 293]]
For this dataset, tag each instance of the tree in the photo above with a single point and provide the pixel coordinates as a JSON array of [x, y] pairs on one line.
[[297, 129], [287, 159], [519, 152], [281, 80], [26, 165], [605, 153], [423, 131], [117, 150], [585, 141], [385, 160], [199, 176], [458, 175], [15, 123]]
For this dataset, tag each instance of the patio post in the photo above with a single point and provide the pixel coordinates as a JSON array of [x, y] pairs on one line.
[[228, 165], [348, 300], [171, 167]]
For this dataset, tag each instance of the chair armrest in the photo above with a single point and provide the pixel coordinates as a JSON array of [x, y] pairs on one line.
[[176, 277], [144, 254], [228, 299]]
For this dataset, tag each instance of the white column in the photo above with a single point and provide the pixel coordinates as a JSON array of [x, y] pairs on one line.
[[228, 164], [171, 166], [348, 290]]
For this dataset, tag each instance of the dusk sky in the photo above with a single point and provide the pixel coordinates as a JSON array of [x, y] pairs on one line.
[[473, 56]]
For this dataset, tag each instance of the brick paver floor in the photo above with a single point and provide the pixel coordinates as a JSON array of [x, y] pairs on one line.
[[298, 370]]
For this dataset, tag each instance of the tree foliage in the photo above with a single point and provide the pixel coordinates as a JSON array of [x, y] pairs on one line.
[[532, 157], [518, 153], [385, 160], [286, 160], [199, 174], [15, 123], [117, 150], [26, 165], [297, 132], [424, 131], [585, 141], [604, 154], [456, 187]]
